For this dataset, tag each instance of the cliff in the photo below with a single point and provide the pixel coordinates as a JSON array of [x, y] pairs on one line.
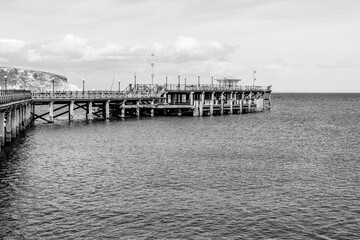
[[20, 78]]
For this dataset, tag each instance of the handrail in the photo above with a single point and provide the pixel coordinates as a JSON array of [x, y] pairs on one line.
[[91, 95], [136, 91], [7, 96], [215, 87]]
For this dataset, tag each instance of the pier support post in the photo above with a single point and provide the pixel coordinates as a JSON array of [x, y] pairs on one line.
[[17, 120], [18, 111], [222, 104], [33, 113], [152, 109], [2, 128], [51, 112], [22, 117], [231, 103], [13, 123], [25, 115], [122, 115], [196, 109], [249, 101], [212, 104], [241, 103], [138, 108], [28, 112], [106, 109], [71, 111], [201, 105], [191, 98], [258, 102], [8, 130], [89, 111], [269, 100]]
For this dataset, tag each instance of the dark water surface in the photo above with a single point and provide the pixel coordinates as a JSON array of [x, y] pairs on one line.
[[289, 173]]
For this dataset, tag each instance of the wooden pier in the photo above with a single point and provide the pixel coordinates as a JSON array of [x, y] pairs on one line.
[[154, 100], [19, 108]]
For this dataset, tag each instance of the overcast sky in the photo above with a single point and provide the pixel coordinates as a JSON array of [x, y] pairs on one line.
[[295, 45]]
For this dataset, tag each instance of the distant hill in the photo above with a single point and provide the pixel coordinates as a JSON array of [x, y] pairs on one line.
[[20, 78]]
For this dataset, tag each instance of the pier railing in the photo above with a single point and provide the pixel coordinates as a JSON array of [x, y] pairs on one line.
[[132, 91], [91, 95], [214, 87], [7, 96]]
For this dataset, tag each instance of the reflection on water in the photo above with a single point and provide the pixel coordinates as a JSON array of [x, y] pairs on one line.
[[291, 173]]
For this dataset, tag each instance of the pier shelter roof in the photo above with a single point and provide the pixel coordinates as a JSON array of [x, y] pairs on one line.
[[228, 81]]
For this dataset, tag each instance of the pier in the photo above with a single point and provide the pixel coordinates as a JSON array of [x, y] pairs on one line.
[[19, 108], [153, 100]]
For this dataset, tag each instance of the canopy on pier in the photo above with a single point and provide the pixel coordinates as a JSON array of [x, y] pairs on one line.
[[228, 81]]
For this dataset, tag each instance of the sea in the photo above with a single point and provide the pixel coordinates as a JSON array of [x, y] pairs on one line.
[[292, 172]]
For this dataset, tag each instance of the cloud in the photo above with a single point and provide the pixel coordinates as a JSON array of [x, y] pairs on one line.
[[75, 57], [186, 49], [72, 49], [11, 46]]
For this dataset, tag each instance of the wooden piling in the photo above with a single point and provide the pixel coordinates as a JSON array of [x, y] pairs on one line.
[[2, 128], [51, 112], [89, 111]]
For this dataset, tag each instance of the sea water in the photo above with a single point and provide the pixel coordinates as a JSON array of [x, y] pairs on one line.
[[289, 173]]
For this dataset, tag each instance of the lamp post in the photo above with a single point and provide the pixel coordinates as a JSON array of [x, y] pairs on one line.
[[179, 81], [53, 84], [166, 81], [254, 79], [5, 81], [119, 84], [83, 81]]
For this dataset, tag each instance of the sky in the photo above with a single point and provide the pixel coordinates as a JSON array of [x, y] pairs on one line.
[[294, 45]]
